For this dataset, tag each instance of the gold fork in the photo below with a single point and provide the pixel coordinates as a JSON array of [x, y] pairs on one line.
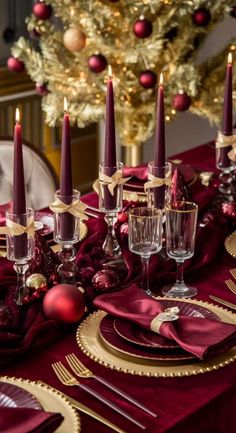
[[82, 371], [68, 379], [231, 285]]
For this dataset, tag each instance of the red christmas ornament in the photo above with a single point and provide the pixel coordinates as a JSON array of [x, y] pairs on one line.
[[233, 12], [179, 189], [181, 101], [201, 17], [15, 65], [124, 230], [42, 11], [148, 79], [64, 303], [122, 217], [229, 209], [105, 279], [97, 63], [142, 28], [41, 89]]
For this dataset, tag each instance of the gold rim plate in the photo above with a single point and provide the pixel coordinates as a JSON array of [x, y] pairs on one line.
[[230, 244], [51, 401], [88, 339]]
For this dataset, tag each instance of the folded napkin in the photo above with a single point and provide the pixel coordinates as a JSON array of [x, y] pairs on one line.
[[25, 420], [202, 337]]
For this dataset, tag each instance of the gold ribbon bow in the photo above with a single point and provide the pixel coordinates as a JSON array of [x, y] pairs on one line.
[[168, 315], [16, 229], [223, 141], [75, 208], [155, 182], [113, 181]]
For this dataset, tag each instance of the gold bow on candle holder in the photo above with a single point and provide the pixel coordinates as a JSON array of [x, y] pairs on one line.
[[75, 208], [223, 141], [15, 229], [168, 315], [113, 181], [155, 182]]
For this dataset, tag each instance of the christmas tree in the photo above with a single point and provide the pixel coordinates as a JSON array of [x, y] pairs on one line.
[[71, 42]]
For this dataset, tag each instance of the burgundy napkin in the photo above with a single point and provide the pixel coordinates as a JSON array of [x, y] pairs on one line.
[[25, 420], [203, 338]]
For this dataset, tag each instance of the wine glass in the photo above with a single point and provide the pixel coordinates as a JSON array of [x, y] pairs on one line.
[[181, 222], [145, 237], [66, 234], [20, 247], [110, 202]]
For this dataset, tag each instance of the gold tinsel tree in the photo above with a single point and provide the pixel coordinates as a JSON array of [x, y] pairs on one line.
[[71, 49]]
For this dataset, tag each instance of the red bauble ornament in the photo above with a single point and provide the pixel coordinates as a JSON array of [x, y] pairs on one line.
[[97, 63], [181, 101], [105, 280], [124, 230], [42, 11], [15, 65], [179, 190], [201, 17], [148, 79], [229, 209], [122, 217], [142, 28], [233, 12], [64, 303], [41, 89]]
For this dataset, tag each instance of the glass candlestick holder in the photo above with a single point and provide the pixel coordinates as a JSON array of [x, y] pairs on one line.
[[225, 162], [66, 232], [158, 187], [110, 202], [20, 247]]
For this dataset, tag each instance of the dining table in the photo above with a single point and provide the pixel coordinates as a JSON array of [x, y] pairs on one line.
[[198, 401]]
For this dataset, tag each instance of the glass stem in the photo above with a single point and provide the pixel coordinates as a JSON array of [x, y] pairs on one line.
[[180, 274], [21, 290], [145, 270]]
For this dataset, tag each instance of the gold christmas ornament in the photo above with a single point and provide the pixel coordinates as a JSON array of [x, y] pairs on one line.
[[74, 39], [36, 281]]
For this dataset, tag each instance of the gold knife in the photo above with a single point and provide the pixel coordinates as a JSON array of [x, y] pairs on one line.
[[79, 406], [223, 302]]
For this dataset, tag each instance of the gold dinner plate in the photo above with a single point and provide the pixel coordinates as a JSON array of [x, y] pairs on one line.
[[230, 244], [89, 341], [51, 401]]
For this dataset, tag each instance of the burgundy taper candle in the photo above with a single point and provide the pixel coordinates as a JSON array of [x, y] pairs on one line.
[[110, 141], [110, 133], [227, 126], [66, 188], [19, 201], [159, 146]]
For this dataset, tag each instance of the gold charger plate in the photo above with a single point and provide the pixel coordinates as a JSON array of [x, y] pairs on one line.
[[87, 337], [51, 401], [230, 244]]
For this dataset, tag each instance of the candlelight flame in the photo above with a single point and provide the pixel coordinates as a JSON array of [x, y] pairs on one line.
[[230, 60], [65, 104], [17, 115], [161, 79], [109, 72]]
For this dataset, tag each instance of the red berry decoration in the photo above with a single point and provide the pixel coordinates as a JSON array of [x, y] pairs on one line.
[[122, 217], [142, 28], [97, 63], [64, 303], [41, 89], [15, 65], [148, 79], [201, 17], [233, 12], [42, 11], [181, 101]]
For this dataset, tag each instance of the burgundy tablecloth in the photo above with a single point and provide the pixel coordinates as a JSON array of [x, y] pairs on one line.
[[204, 403]]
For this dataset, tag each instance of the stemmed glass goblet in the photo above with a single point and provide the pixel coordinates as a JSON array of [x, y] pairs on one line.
[[145, 237], [20, 247], [110, 202], [181, 222], [66, 233]]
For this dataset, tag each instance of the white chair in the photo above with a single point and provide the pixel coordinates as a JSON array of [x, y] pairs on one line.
[[40, 178]]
